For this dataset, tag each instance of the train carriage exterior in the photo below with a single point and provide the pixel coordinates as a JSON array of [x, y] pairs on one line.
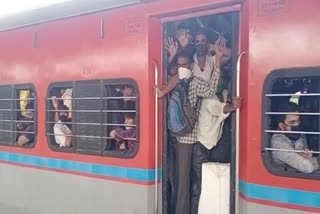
[[91, 47]]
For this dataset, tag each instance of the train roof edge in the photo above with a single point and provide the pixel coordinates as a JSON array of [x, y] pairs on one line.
[[61, 11]]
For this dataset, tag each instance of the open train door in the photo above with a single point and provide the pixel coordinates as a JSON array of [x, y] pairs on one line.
[[225, 15]]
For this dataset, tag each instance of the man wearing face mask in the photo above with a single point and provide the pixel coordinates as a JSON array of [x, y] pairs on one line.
[[197, 88], [300, 158], [204, 62]]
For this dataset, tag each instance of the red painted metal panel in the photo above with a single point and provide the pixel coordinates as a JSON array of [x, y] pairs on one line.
[[71, 49], [275, 36], [281, 35]]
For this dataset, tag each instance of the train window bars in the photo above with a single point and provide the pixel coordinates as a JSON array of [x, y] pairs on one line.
[[96, 117], [18, 115], [302, 87]]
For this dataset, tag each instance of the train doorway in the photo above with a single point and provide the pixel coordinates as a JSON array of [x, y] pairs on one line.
[[178, 32]]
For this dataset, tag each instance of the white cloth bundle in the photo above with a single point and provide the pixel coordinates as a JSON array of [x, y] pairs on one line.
[[215, 189]]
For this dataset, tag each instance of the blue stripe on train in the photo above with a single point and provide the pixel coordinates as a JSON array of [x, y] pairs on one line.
[[276, 194], [144, 175], [255, 191]]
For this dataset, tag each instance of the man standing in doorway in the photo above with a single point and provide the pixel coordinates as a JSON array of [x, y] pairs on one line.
[[197, 88]]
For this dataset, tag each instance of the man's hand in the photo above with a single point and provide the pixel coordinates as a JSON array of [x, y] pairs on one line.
[[113, 133], [236, 103], [157, 90], [122, 146], [306, 154], [219, 46], [172, 47], [55, 102], [21, 126]]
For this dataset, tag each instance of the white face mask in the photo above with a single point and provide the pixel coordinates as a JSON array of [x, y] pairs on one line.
[[184, 73]]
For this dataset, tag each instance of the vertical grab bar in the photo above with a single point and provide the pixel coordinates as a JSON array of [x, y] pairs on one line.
[[156, 139], [237, 134]]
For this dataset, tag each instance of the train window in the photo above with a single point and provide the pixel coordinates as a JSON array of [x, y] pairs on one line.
[[18, 115], [291, 123], [93, 117]]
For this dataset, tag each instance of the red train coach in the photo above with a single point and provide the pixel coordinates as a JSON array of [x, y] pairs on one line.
[[87, 60]]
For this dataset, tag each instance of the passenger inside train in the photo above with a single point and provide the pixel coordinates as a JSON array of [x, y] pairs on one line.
[[122, 120], [196, 40], [297, 154], [125, 136], [87, 128], [25, 117], [61, 105], [294, 139], [197, 87], [204, 62], [26, 128], [62, 128]]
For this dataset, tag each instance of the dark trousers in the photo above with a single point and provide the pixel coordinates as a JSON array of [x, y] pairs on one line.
[[171, 162], [183, 173], [220, 153]]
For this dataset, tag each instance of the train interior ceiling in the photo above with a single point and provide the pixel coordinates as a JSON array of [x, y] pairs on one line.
[[226, 25]]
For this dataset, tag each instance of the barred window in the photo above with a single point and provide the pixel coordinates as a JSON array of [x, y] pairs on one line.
[[283, 139], [96, 117], [18, 115]]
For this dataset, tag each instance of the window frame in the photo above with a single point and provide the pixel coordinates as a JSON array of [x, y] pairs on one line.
[[104, 83], [14, 88], [270, 80], [57, 148]]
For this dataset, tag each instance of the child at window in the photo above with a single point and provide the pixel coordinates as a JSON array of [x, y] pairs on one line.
[[124, 136]]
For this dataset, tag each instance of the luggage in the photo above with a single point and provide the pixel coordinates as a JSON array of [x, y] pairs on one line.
[[181, 115], [215, 189]]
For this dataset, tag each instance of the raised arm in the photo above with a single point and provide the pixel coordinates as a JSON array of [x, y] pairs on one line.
[[172, 48], [223, 53], [55, 104]]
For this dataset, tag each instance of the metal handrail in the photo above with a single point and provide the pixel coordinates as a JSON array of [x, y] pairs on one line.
[[119, 124], [237, 135], [93, 124], [6, 109], [156, 138], [292, 132], [91, 98], [290, 95], [94, 111], [295, 113], [18, 121], [20, 132], [290, 150], [15, 99], [88, 136]]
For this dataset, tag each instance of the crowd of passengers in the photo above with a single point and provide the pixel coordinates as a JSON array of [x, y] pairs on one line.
[[122, 133], [192, 57]]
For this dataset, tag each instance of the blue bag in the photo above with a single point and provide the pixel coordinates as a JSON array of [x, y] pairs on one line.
[[181, 115]]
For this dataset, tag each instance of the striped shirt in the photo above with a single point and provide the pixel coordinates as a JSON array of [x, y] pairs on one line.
[[199, 88]]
